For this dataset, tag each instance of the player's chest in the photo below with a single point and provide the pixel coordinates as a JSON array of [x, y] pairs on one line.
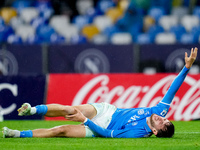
[[138, 115]]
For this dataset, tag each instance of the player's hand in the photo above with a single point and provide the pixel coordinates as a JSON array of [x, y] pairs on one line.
[[190, 60], [78, 116]]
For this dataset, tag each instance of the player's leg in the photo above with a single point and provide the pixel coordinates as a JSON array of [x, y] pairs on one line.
[[55, 110], [59, 131]]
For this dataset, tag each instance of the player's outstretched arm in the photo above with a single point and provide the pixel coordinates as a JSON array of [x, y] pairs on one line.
[[190, 60], [167, 99]]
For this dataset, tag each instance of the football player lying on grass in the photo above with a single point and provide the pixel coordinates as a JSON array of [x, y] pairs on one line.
[[105, 120]]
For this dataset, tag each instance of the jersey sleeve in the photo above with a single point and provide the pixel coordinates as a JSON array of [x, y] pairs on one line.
[[163, 106], [99, 130], [123, 133], [167, 99]]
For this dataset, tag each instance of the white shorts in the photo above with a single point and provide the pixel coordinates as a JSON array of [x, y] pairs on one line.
[[103, 117]]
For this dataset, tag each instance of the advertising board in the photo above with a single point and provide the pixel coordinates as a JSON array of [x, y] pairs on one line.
[[126, 91]]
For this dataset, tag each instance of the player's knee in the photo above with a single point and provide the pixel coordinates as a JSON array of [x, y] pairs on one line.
[[59, 131]]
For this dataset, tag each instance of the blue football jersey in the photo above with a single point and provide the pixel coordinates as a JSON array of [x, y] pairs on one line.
[[131, 123]]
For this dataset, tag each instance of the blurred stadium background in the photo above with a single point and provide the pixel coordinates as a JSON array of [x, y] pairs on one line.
[[48, 46], [99, 21]]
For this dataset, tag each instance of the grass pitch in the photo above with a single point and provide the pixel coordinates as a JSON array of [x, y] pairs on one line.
[[187, 137]]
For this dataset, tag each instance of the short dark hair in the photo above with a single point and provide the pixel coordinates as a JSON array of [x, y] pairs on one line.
[[167, 132]]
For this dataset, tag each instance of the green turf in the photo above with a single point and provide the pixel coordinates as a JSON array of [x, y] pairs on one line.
[[187, 137]]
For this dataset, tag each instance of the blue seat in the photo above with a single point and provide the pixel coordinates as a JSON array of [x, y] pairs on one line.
[[78, 39], [39, 21], [144, 38], [14, 39], [156, 12], [196, 11], [57, 39], [187, 38], [43, 5], [33, 40], [47, 13], [195, 32], [45, 8], [81, 20], [178, 31], [109, 31], [154, 30], [92, 13], [103, 5], [21, 4], [44, 32], [2, 22], [5, 31], [134, 30]]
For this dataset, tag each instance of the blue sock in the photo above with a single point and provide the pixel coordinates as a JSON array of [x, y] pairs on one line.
[[41, 109], [24, 134]]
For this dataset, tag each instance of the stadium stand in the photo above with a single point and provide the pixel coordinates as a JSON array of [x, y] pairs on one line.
[[98, 21], [179, 12], [7, 13], [121, 38], [156, 13], [168, 21], [90, 31], [102, 22], [178, 31], [165, 38], [189, 21], [28, 14], [147, 23], [187, 38], [24, 31], [144, 38], [14, 39], [58, 22], [80, 21], [100, 39]]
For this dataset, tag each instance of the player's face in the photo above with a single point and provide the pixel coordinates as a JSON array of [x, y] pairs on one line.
[[158, 122]]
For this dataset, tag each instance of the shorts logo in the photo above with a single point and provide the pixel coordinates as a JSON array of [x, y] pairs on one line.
[[92, 61], [175, 60], [8, 63]]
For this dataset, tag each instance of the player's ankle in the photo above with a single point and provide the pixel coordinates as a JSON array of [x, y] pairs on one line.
[[26, 134], [41, 109], [33, 110]]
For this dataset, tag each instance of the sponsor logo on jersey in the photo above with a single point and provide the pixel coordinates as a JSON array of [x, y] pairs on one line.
[[141, 112]]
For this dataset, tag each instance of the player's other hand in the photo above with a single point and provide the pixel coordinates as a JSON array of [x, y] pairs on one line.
[[78, 116], [190, 60]]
